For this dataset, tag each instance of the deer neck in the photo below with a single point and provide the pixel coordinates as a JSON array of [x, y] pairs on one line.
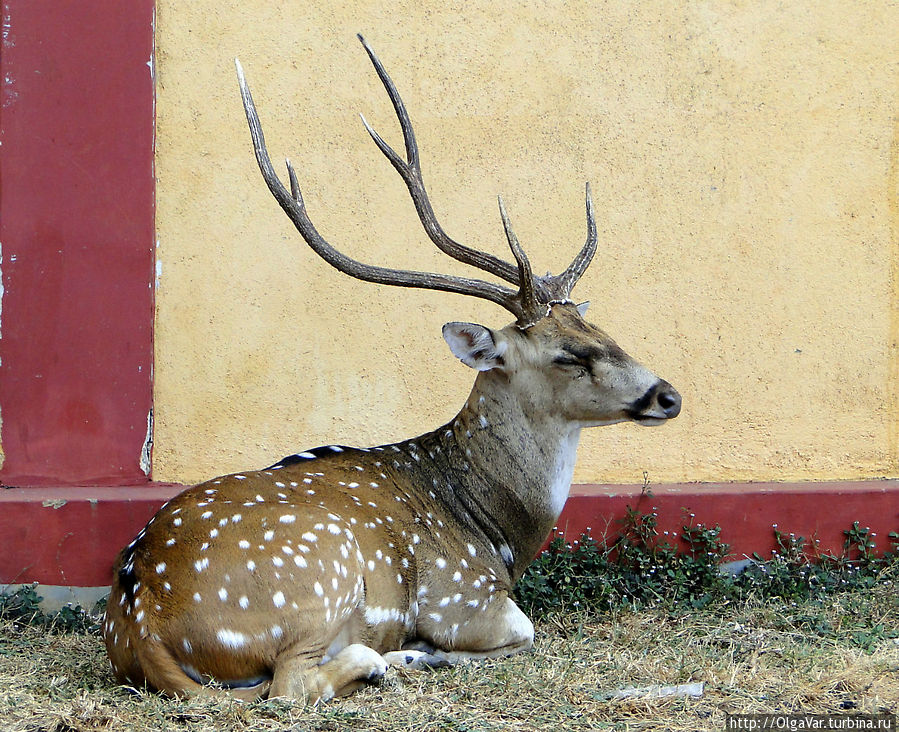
[[511, 468]]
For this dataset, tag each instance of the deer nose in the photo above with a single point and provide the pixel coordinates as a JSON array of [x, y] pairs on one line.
[[668, 399], [660, 402]]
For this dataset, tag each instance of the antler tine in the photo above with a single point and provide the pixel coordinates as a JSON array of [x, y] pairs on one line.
[[292, 203], [410, 172], [530, 306], [567, 279]]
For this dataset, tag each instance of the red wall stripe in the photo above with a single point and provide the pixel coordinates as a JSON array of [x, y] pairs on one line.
[[70, 536], [77, 233]]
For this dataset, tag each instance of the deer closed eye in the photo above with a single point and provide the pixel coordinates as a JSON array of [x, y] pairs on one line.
[[579, 367]]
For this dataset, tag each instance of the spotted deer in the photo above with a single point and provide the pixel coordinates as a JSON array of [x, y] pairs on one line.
[[309, 578]]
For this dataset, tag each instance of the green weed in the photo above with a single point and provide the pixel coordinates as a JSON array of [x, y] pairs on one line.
[[23, 607]]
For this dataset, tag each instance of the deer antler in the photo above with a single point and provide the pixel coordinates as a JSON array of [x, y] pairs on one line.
[[293, 205], [563, 283], [410, 172], [528, 304]]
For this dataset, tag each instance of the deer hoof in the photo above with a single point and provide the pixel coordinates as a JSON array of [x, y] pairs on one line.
[[415, 659]]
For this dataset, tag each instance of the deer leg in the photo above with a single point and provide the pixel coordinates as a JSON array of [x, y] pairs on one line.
[[353, 667], [502, 630]]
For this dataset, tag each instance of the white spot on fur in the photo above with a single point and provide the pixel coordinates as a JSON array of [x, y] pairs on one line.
[[231, 638], [378, 615]]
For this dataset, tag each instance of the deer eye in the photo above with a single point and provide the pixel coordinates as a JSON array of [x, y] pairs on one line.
[[575, 364]]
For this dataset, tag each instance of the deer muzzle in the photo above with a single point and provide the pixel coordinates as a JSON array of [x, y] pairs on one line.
[[660, 403]]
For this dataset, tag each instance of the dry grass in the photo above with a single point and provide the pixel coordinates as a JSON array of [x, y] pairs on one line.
[[751, 659]]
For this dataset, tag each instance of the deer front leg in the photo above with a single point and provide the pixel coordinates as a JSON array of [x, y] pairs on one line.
[[496, 629], [355, 666]]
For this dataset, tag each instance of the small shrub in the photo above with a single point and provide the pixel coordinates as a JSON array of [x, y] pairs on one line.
[[24, 607], [799, 572], [635, 569], [638, 568]]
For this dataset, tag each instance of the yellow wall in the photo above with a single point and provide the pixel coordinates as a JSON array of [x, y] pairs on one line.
[[744, 159]]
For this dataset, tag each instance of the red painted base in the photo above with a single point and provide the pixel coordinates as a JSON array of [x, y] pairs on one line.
[[70, 536], [746, 512]]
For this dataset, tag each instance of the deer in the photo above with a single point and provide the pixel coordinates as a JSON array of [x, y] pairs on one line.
[[309, 578]]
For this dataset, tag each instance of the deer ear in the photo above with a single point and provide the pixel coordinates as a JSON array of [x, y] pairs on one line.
[[582, 308], [475, 346]]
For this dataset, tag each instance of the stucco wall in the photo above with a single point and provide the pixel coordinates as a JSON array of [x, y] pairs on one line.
[[743, 158]]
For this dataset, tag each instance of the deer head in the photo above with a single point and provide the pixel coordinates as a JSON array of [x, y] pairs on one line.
[[308, 578]]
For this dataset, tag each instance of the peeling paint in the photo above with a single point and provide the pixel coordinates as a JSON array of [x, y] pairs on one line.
[[146, 452], [1, 298], [8, 96], [8, 38], [54, 503], [2, 454], [9, 93]]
